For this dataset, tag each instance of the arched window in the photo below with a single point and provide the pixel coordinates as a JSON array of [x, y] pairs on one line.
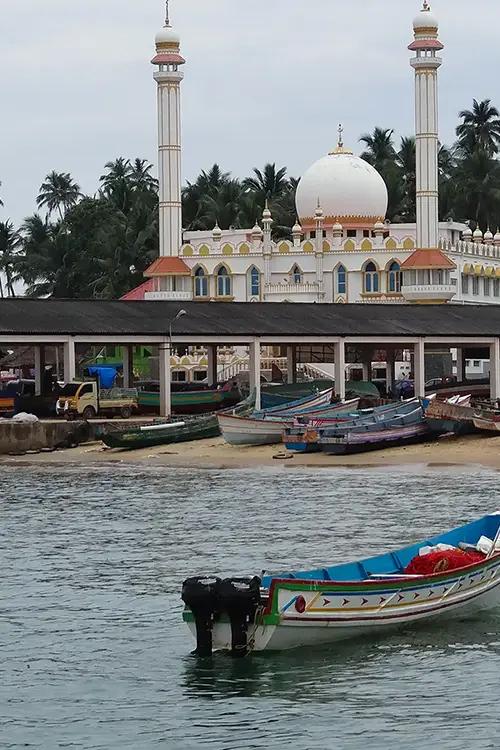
[[254, 280], [296, 275], [200, 283], [223, 282], [341, 280], [371, 278], [394, 278]]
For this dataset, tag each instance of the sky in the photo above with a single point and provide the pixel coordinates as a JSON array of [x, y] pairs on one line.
[[265, 80]]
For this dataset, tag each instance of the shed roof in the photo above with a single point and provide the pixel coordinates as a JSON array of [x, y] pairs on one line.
[[24, 316]]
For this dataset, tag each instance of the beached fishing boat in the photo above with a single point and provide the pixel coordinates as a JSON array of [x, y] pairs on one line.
[[446, 416], [304, 438], [416, 584], [146, 436], [280, 395], [488, 421], [267, 429], [402, 428], [191, 401]]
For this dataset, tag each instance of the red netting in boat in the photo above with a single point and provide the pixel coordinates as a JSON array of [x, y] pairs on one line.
[[439, 562]]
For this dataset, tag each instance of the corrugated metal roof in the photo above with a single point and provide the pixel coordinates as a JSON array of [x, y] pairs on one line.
[[135, 318]]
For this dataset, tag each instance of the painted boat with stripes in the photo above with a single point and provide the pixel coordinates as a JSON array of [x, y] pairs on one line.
[[354, 599]]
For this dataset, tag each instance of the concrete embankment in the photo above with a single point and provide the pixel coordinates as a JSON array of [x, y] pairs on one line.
[[19, 437]]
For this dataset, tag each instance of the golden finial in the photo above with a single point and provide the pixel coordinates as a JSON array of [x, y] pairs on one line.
[[340, 143]]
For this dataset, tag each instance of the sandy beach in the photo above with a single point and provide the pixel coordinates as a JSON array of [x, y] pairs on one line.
[[215, 453]]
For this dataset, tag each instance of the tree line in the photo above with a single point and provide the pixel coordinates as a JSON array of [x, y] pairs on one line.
[[80, 246]]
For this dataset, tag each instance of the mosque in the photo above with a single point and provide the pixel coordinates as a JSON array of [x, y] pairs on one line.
[[343, 250]]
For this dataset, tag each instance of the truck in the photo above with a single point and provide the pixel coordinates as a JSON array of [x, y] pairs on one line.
[[85, 400]]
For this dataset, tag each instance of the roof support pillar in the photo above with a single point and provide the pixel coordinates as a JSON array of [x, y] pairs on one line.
[[39, 368], [254, 371], [419, 368], [291, 364], [495, 370], [128, 365], [69, 361], [340, 369], [212, 374], [461, 374], [164, 352], [390, 370]]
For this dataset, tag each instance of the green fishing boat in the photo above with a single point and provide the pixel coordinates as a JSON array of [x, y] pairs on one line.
[[190, 401], [163, 433]]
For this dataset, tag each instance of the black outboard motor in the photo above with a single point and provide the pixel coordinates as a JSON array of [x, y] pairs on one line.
[[240, 598], [200, 595]]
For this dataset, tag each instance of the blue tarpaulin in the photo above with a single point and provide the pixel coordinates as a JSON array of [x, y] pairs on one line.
[[106, 374]]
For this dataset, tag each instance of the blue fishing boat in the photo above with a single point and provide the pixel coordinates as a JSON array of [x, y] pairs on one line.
[[304, 438], [451, 574]]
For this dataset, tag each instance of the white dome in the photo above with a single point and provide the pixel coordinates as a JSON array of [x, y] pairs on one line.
[[167, 36], [425, 20], [345, 185]]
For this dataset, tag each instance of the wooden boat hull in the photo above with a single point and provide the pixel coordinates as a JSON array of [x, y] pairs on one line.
[[198, 429], [190, 402], [281, 395], [487, 424], [360, 442], [441, 416], [373, 596]]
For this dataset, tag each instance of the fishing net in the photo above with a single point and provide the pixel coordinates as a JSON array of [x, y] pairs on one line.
[[439, 562]]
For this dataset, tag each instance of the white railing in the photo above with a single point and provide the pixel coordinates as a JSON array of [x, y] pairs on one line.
[[429, 291], [304, 287], [168, 295]]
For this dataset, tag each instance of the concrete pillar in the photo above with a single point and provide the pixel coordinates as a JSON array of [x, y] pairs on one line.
[[165, 380], [69, 361], [390, 370], [254, 371], [291, 364], [340, 369], [495, 370], [212, 374], [419, 368], [39, 368], [128, 365], [461, 370], [366, 371]]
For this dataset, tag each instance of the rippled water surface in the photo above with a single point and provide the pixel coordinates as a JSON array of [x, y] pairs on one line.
[[94, 653]]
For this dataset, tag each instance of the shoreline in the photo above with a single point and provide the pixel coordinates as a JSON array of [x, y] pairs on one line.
[[468, 451]]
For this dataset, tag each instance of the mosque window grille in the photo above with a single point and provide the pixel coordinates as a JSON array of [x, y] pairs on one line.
[[223, 282], [486, 287], [496, 287], [200, 283], [394, 278], [465, 284], [341, 280], [371, 279], [254, 281], [475, 285]]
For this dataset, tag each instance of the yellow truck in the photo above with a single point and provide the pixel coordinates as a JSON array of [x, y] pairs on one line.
[[85, 400]]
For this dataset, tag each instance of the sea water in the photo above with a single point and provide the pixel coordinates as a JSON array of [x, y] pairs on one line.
[[94, 654]]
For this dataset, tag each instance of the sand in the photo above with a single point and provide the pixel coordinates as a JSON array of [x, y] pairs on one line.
[[481, 449]]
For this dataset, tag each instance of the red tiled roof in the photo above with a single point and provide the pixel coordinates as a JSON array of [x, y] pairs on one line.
[[139, 292], [168, 266], [425, 44], [164, 58], [428, 258]]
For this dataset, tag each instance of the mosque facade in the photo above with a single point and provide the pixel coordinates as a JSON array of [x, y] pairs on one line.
[[343, 250]]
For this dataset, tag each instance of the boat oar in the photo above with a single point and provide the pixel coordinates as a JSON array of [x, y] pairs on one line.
[[493, 546]]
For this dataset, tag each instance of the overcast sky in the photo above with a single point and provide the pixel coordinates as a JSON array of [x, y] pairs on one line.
[[265, 80]]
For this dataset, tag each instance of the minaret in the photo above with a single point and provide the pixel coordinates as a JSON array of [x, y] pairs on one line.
[[427, 271], [426, 64], [168, 76]]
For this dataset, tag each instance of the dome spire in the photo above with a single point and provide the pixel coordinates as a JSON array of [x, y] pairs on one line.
[[340, 143], [167, 13]]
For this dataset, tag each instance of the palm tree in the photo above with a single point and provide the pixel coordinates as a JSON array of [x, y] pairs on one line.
[[58, 193], [477, 197], [380, 148], [480, 128], [269, 183], [10, 241], [207, 184], [406, 161], [141, 177]]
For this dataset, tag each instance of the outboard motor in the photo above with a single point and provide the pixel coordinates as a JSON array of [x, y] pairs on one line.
[[200, 595], [240, 598]]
